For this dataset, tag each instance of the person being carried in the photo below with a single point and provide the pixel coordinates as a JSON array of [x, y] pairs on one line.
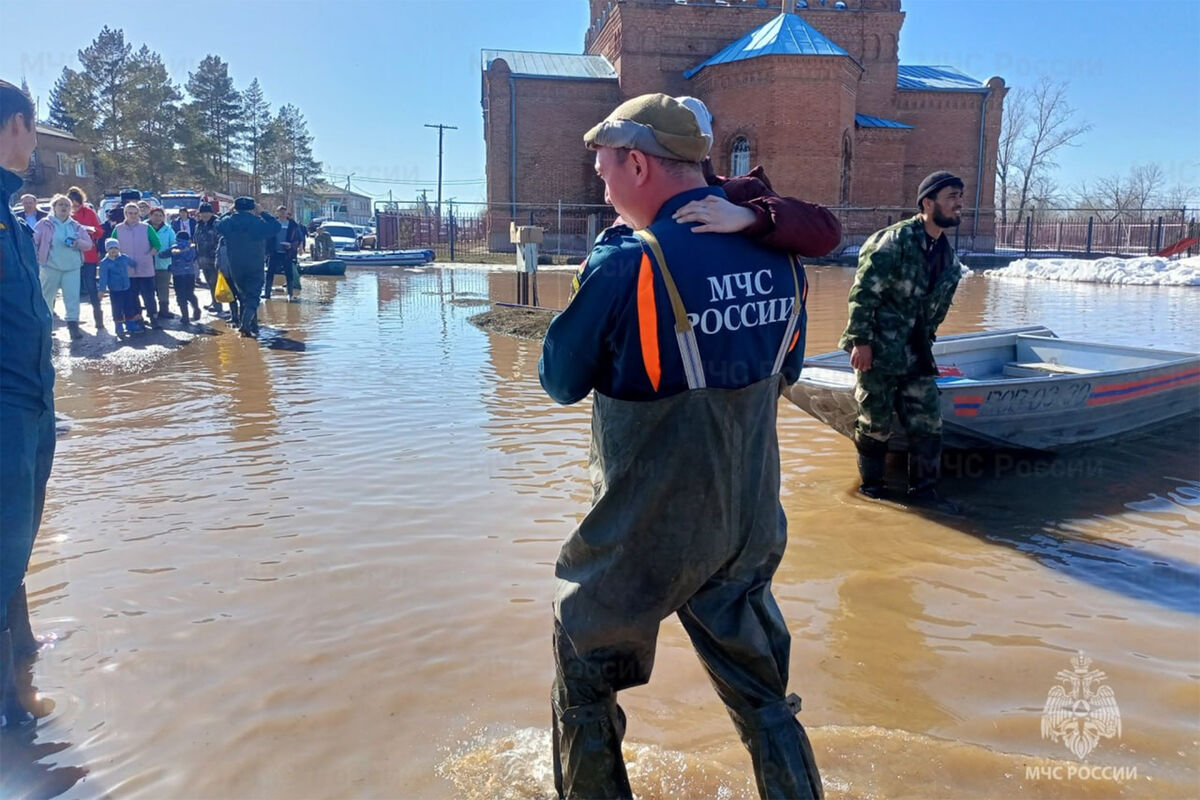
[[183, 275], [687, 343], [907, 275], [114, 279]]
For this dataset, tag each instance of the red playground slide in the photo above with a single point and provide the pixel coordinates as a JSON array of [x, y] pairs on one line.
[[1178, 247]]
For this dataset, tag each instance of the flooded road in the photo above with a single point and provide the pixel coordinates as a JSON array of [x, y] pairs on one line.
[[328, 574]]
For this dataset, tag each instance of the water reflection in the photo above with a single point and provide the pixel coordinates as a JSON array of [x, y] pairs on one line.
[[1075, 490]]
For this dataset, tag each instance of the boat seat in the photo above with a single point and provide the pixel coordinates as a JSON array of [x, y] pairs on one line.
[[1036, 369]]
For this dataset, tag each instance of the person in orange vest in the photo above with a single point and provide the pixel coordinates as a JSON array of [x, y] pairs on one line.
[[685, 343]]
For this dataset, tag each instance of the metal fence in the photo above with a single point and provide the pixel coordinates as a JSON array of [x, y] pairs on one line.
[[479, 232], [1093, 233]]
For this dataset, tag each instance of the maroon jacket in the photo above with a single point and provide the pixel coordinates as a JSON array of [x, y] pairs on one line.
[[781, 223]]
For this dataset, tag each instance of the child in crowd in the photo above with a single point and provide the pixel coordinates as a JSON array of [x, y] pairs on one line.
[[114, 279], [183, 274]]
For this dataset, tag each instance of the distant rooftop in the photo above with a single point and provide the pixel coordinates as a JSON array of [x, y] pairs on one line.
[[785, 35], [936, 79], [552, 65], [867, 121], [50, 130]]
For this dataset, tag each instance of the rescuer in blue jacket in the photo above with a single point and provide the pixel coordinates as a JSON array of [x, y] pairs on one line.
[[26, 401], [687, 342]]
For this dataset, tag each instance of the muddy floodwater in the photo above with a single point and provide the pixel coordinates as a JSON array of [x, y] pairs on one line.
[[328, 574]]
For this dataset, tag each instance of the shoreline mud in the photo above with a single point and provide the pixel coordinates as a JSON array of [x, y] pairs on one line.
[[521, 323]]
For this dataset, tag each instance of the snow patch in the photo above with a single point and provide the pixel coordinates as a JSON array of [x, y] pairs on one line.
[[1143, 271]]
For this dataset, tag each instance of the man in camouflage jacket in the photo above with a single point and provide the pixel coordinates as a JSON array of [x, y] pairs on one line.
[[907, 275]]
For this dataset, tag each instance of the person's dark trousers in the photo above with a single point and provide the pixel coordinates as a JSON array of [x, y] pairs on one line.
[[26, 455], [144, 288], [162, 288], [89, 289], [185, 293], [248, 289], [124, 305], [279, 264], [210, 278]]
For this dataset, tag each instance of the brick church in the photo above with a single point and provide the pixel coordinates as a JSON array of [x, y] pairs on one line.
[[812, 90]]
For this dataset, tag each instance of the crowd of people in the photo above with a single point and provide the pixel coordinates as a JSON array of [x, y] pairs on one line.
[[137, 258]]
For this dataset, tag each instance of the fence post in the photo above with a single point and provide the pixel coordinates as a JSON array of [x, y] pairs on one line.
[[452, 232], [1118, 237], [1028, 226], [1091, 220], [1058, 238], [560, 230], [591, 232], [1159, 244]]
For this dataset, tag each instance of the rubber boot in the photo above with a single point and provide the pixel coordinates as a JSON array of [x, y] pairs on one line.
[[98, 316], [14, 713], [24, 644], [924, 470], [872, 461], [73, 328], [784, 765], [196, 308], [587, 751], [120, 326]]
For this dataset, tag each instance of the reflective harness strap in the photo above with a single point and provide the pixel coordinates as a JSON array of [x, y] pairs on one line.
[[685, 336], [790, 334]]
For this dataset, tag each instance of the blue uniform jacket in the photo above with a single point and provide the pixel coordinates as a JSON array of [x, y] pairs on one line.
[[26, 375], [737, 294]]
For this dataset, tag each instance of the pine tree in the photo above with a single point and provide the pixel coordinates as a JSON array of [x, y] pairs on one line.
[[255, 132], [290, 164], [154, 105], [215, 110], [61, 102]]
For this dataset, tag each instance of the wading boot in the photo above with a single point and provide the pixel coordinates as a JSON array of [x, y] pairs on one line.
[[872, 461], [73, 328], [98, 316], [14, 713], [24, 644], [924, 469]]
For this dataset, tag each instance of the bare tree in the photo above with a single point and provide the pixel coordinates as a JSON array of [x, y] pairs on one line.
[[1008, 153], [1051, 127], [1146, 183]]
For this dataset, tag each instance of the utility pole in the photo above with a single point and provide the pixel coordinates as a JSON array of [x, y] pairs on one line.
[[441, 129]]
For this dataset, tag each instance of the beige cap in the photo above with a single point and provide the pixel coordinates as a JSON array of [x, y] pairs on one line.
[[656, 124]]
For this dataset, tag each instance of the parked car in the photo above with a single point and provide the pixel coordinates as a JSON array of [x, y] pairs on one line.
[[367, 238], [343, 234]]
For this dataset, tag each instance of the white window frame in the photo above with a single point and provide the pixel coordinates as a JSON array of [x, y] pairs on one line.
[[739, 156], [64, 167], [80, 167]]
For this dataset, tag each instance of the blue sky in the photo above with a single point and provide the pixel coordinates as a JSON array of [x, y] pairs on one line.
[[369, 74]]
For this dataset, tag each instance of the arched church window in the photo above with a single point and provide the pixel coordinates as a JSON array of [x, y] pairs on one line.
[[739, 156]]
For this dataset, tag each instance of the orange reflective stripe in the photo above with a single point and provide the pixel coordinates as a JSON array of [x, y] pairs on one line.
[[648, 322], [795, 339]]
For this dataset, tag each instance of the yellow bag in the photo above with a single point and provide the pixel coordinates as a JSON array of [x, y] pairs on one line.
[[223, 294]]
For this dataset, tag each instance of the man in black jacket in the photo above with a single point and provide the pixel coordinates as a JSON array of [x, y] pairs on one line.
[[247, 231], [282, 257]]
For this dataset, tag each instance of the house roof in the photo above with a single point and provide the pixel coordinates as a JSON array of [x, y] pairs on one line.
[[526, 64], [912, 77], [325, 189], [785, 35], [867, 121], [49, 130]]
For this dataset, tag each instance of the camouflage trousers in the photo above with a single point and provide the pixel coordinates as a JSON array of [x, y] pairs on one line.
[[913, 398]]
